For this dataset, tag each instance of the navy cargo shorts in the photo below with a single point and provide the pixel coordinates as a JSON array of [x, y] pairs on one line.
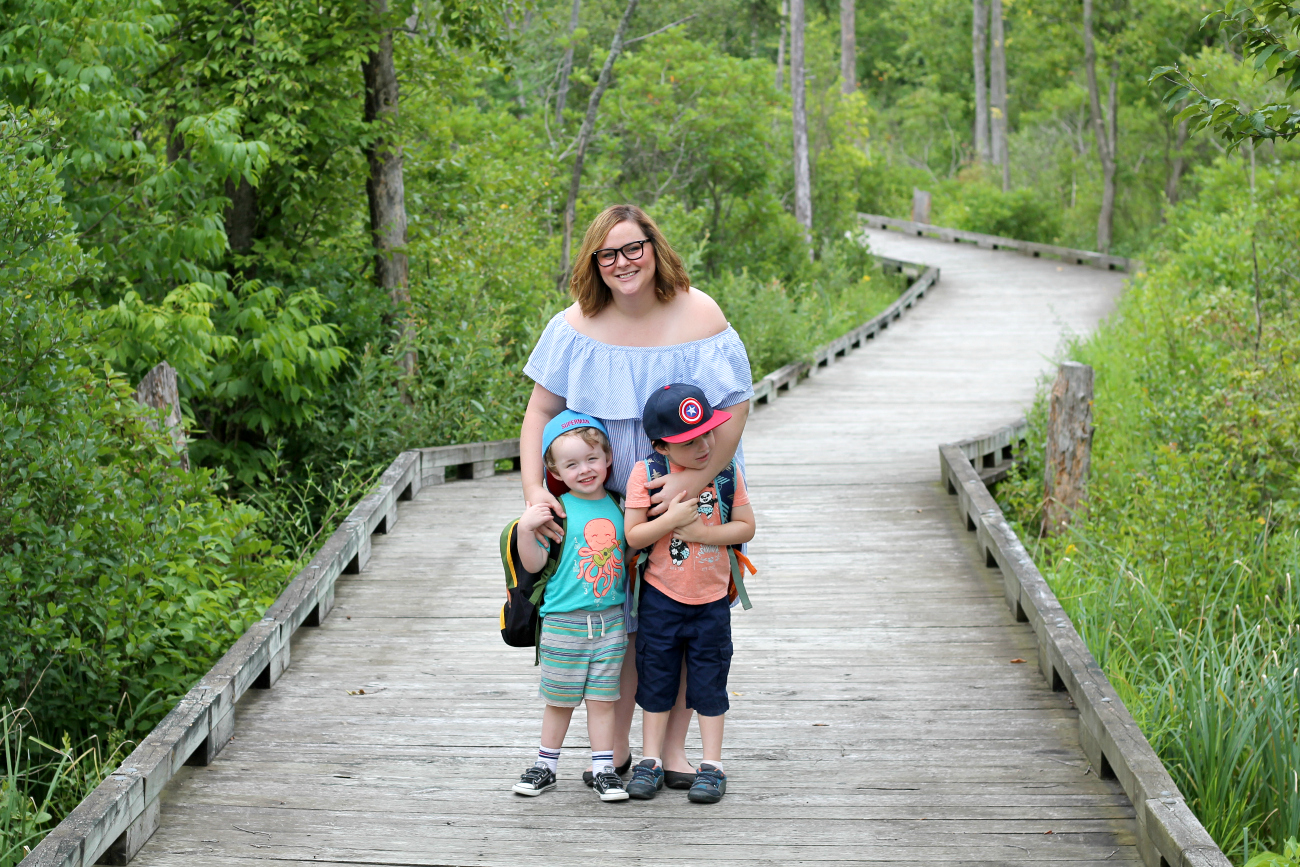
[[669, 632]]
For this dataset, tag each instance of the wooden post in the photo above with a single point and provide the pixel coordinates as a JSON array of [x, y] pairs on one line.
[[158, 389], [1069, 447], [920, 206]]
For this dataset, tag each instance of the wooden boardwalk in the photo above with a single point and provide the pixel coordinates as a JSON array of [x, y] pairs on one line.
[[876, 716]]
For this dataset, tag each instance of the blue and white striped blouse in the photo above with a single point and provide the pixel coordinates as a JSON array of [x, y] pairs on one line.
[[614, 382]]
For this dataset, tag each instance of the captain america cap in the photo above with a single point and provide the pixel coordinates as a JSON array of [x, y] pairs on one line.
[[680, 412]]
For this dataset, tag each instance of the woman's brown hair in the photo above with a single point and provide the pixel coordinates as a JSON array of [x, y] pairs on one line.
[[587, 286]]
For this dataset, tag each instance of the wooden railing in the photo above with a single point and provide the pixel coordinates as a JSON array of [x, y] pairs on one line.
[[997, 242], [112, 824], [1169, 835]]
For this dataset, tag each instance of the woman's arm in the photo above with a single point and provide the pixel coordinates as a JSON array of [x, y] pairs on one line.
[[726, 439], [542, 407]]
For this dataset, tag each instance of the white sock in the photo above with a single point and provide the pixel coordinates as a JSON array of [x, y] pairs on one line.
[[717, 765], [602, 760], [549, 757]]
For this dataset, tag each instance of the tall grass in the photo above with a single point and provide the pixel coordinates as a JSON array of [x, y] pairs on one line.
[[40, 782]]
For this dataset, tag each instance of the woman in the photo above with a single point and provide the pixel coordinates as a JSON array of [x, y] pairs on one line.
[[635, 325]]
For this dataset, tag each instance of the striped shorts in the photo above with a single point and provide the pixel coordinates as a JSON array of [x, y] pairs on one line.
[[582, 656]]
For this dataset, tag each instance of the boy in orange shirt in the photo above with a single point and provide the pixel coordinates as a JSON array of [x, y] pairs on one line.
[[684, 614]]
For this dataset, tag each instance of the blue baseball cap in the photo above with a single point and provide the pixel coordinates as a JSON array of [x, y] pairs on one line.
[[566, 421], [680, 412]]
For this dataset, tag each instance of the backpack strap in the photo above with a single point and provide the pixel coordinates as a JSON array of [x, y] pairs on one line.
[[725, 484], [739, 560], [539, 585]]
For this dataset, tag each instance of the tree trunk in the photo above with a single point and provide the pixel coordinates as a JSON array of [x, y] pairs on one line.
[[780, 47], [584, 137], [979, 50], [1103, 128], [848, 47], [384, 186], [1177, 164], [566, 66], [241, 216], [802, 174], [998, 92], [1069, 447], [160, 390]]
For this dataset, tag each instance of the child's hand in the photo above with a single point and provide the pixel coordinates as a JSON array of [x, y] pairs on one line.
[[536, 516], [681, 511], [693, 532]]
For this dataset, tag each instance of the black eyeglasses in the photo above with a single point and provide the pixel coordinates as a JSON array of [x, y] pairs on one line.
[[631, 252]]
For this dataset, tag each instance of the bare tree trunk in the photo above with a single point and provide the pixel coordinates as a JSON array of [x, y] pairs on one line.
[[780, 47], [979, 50], [1104, 129], [1177, 164], [160, 390], [566, 66], [1069, 447], [848, 47], [241, 216], [584, 137], [802, 174], [998, 92], [384, 186]]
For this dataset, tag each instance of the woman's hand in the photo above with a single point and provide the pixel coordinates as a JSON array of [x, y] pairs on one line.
[[548, 529], [667, 488]]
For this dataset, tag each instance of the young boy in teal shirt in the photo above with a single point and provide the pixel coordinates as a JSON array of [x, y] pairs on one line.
[[584, 636]]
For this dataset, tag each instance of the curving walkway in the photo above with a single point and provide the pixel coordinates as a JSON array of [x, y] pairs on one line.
[[876, 716]]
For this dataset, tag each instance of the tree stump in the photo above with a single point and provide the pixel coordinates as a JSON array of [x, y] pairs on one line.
[[1069, 447], [159, 390], [920, 206]]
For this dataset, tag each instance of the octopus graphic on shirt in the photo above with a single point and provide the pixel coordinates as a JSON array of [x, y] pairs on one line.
[[601, 559]]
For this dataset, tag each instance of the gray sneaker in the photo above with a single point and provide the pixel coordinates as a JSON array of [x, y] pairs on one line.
[[710, 785], [646, 780]]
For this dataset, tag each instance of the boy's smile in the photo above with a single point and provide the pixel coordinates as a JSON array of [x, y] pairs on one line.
[[692, 454], [581, 466]]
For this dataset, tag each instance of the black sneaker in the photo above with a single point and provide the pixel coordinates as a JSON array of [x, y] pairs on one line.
[[646, 780], [710, 785], [622, 769], [537, 779], [609, 786]]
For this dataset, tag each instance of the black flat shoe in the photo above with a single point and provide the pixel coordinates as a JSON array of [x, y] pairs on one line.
[[588, 780], [678, 780]]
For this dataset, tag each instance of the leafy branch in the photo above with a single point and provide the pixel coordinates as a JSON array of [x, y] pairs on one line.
[[1264, 30]]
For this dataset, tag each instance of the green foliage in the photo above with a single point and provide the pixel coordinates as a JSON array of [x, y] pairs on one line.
[[122, 577], [781, 323], [1181, 575], [1266, 31], [978, 206], [1290, 856]]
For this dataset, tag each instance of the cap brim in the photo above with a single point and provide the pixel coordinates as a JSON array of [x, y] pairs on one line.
[[720, 416]]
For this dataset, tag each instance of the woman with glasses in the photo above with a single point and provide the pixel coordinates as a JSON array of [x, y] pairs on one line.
[[636, 324]]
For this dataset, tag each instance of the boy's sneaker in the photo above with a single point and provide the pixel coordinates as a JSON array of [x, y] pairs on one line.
[[608, 785], [535, 780], [710, 785], [646, 780], [588, 779]]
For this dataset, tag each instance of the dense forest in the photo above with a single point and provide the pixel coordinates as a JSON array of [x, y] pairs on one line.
[[345, 226]]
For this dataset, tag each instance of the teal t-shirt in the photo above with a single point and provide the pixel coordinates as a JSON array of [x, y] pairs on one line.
[[590, 576]]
